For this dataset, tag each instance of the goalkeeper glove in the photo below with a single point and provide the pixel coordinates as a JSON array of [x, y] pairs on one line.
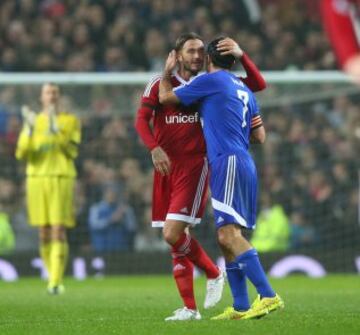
[[29, 118], [52, 119]]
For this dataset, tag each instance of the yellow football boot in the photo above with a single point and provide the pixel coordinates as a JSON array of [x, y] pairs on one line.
[[229, 314], [269, 304]]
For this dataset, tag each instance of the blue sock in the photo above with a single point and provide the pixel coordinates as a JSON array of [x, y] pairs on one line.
[[237, 281], [250, 263]]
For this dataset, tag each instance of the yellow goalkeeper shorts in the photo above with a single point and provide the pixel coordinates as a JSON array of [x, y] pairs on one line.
[[50, 201]]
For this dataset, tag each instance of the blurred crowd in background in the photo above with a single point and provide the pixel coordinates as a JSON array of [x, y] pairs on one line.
[[308, 167], [136, 35]]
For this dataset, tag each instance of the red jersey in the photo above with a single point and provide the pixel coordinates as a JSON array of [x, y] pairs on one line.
[[341, 20], [176, 128]]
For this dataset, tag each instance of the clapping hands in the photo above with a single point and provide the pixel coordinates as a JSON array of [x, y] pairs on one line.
[[28, 116]]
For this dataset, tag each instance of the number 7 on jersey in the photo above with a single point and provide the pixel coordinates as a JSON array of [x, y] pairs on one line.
[[244, 97]]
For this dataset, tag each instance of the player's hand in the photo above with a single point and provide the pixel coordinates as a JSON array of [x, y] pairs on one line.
[[28, 116], [170, 63], [52, 119], [161, 161], [228, 46], [352, 68]]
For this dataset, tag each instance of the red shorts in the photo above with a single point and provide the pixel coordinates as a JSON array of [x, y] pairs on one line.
[[182, 195]]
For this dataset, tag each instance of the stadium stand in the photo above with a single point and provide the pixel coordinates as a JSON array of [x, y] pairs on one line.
[[136, 35]]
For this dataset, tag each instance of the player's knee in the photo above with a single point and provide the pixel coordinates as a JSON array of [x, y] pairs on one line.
[[58, 233], [224, 239], [170, 236], [45, 234]]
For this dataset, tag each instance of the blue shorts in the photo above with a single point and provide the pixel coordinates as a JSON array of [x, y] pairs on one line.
[[233, 184]]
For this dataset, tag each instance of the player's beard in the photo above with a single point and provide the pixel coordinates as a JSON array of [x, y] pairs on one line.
[[186, 66]]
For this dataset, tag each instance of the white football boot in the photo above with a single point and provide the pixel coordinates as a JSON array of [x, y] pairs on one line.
[[184, 314], [214, 290]]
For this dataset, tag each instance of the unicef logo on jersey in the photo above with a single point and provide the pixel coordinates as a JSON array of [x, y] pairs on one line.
[[182, 118]]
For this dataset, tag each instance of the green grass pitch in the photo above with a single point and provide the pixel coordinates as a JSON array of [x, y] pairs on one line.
[[138, 305]]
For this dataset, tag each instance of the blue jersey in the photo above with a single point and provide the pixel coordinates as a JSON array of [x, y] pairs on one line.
[[227, 108]]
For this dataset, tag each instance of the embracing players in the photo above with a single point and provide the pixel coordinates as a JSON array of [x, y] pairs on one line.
[[178, 152], [230, 119]]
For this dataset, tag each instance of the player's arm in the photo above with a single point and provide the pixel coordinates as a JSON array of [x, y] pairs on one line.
[[149, 104], [339, 24], [71, 146], [69, 140], [159, 157], [258, 135], [254, 79], [24, 145], [257, 131], [166, 94], [143, 118], [339, 28]]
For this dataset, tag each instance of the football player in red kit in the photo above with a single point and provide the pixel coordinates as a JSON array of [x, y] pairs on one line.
[[341, 20], [178, 153]]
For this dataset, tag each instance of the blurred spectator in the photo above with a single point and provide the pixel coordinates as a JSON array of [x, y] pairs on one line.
[[272, 227], [8, 192], [136, 35], [7, 238], [7, 106], [112, 223], [155, 49], [115, 60], [79, 239], [302, 234], [26, 237]]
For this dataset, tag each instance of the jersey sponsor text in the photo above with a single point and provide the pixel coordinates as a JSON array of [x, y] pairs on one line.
[[182, 118]]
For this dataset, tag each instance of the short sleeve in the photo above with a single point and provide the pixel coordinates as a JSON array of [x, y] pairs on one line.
[[255, 110], [256, 120], [194, 91]]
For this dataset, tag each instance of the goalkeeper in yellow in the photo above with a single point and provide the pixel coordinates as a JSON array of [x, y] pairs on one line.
[[49, 144]]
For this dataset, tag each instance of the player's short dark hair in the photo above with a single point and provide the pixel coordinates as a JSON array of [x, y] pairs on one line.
[[223, 61], [183, 38]]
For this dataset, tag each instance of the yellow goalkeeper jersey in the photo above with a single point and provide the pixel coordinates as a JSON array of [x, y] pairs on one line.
[[50, 153]]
